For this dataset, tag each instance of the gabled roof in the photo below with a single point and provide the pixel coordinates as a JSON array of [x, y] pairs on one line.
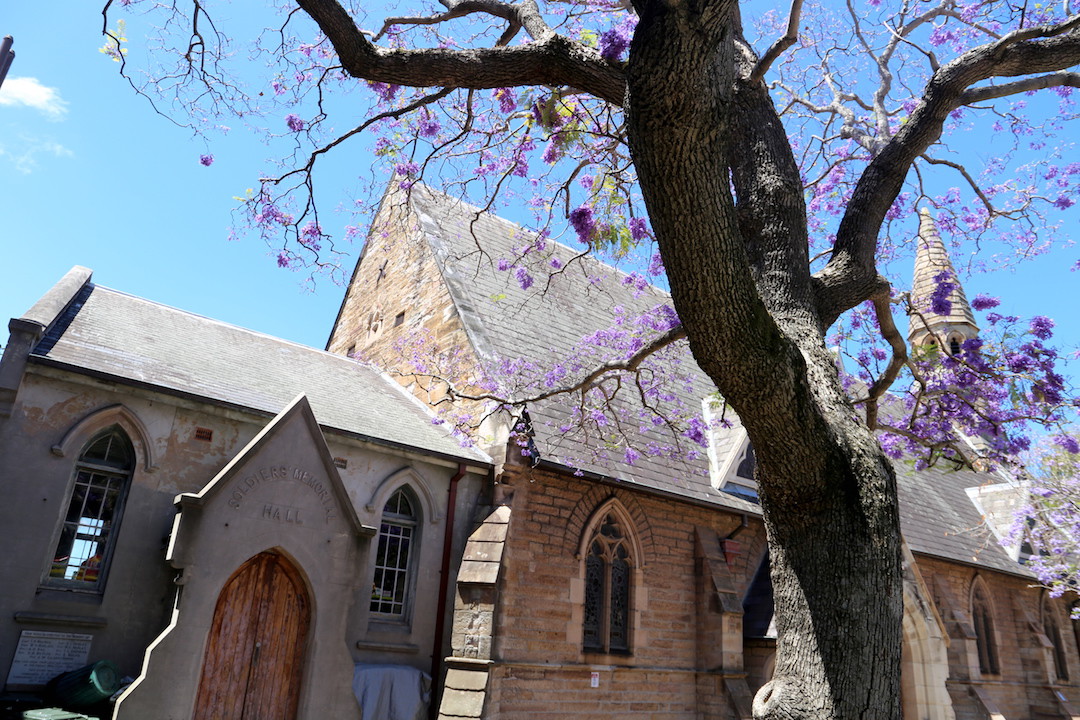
[[545, 322], [109, 334]]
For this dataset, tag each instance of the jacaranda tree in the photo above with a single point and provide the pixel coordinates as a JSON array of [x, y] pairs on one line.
[[774, 159]]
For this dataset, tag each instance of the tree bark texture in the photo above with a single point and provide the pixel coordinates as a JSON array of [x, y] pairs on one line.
[[741, 284]]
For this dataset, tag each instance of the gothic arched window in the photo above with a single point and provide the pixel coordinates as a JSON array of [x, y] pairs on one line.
[[92, 518], [394, 556], [608, 575], [982, 614]]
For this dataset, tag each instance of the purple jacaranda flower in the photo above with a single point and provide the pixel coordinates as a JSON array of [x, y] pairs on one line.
[[984, 302], [1041, 327], [581, 219], [295, 122]]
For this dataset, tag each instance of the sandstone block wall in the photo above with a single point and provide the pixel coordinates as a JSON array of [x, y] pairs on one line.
[[1023, 688], [539, 667]]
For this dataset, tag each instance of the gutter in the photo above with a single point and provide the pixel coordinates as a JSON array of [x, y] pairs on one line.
[[444, 586]]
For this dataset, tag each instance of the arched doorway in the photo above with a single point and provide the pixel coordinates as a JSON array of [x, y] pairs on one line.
[[254, 659], [924, 665]]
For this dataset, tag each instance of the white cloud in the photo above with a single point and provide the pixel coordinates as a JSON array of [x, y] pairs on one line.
[[24, 156], [29, 92]]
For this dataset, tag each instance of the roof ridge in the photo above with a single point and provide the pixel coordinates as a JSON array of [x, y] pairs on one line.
[[234, 326]]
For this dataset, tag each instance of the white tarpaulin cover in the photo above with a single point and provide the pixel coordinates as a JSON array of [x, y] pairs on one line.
[[392, 692]]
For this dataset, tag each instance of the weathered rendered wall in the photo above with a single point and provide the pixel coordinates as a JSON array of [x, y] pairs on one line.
[[136, 601]]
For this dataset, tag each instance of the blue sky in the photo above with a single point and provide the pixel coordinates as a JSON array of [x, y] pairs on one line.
[[92, 176]]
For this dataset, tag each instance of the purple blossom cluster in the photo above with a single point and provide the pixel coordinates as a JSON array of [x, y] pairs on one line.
[[386, 92], [1001, 387], [944, 285], [615, 41], [295, 122], [506, 98], [620, 428], [584, 224], [310, 236]]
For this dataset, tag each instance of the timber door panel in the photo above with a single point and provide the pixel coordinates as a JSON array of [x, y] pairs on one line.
[[255, 653]]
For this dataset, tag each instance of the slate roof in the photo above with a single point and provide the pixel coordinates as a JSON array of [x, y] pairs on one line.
[[506, 322], [544, 324], [109, 333], [938, 518]]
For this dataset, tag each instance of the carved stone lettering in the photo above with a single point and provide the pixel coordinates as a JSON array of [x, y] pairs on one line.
[[255, 479], [281, 514]]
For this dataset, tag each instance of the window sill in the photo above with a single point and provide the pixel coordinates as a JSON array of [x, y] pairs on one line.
[[617, 656], [25, 617], [82, 596], [404, 648]]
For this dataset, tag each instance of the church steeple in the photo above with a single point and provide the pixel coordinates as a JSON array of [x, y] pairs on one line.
[[931, 260]]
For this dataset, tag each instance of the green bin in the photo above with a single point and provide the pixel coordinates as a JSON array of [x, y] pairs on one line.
[[86, 686]]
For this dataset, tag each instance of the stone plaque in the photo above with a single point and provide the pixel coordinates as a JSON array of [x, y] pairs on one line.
[[41, 656]]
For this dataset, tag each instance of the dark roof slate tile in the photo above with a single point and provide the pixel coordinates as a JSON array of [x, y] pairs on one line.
[[130, 338]]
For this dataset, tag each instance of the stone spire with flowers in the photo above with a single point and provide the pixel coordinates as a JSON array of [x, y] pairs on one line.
[[943, 316]]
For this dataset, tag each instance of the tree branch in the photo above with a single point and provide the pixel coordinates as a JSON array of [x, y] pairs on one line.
[[631, 364], [883, 311], [781, 44], [466, 7], [991, 92], [551, 60], [990, 212], [850, 276]]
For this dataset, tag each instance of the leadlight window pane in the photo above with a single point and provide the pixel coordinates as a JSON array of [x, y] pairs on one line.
[[1061, 664], [608, 568], [746, 467], [594, 600], [619, 638], [984, 636], [101, 479], [390, 585]]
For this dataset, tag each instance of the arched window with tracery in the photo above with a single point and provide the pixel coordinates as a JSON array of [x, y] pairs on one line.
[[91, 520], [1053, 633], [609, 566], [985, 640], [394, 557]]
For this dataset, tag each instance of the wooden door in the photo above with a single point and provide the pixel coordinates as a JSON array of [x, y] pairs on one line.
[[255, 653]]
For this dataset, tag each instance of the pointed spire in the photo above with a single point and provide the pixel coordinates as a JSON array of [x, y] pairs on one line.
[[931, 260]]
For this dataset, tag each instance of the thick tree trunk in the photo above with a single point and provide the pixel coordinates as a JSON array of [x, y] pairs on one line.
[[740, 282]]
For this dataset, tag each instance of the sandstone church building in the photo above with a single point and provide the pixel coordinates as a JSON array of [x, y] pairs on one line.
[[250, 528]]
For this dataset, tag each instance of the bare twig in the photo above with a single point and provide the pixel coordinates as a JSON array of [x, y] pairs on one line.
[[781, 44]]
